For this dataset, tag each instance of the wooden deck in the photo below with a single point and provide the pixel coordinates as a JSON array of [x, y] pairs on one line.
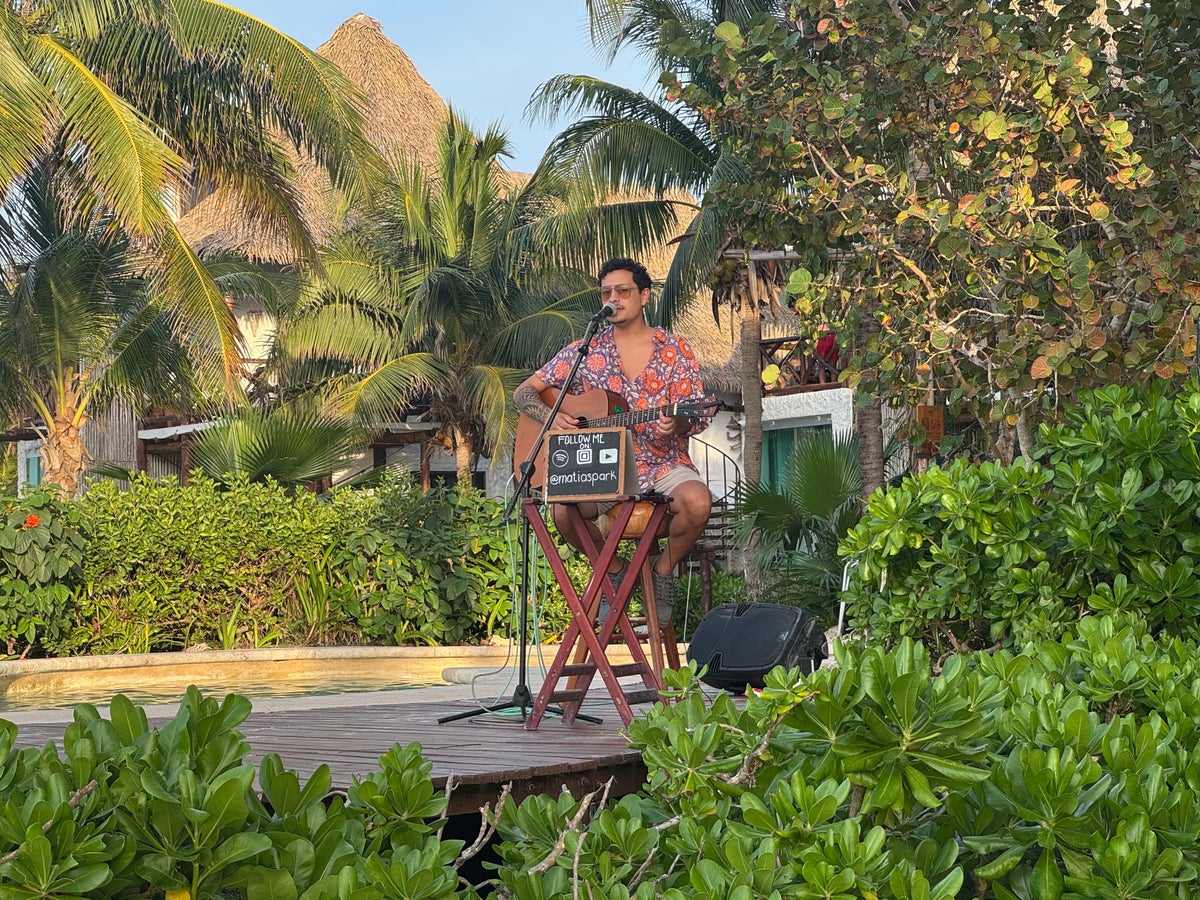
[[349, 732]]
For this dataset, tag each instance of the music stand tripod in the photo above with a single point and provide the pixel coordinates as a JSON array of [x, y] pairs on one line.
[[522, 697]]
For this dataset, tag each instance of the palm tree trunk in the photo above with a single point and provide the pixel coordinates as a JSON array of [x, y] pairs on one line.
[[868, 419], [463, 451], [426, 450], [750, 337], [868, 425], [64, 453]]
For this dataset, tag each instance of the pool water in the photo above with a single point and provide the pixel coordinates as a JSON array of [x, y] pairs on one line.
[[150, 694]]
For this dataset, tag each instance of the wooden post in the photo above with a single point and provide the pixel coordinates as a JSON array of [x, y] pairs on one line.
[[752, 387], [185, 458]]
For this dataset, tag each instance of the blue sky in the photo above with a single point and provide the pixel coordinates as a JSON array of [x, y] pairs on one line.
[[485, 57]]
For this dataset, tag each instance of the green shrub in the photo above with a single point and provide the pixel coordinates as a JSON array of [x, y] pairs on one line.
[[41, 552], [430, 568], [1067, 771], [168, 566], [991, 555], [130, 811], [793, 529], [244, 563]]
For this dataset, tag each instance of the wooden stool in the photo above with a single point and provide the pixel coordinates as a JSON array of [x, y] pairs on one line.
[[583, 639], [661, 637]]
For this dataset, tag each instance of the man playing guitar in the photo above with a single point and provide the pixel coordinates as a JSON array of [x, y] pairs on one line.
[[649, 367]]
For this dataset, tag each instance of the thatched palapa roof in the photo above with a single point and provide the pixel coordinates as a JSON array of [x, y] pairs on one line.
[[403, 117]]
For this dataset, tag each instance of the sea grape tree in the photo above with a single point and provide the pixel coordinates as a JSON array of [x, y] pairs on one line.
[[995, 202]]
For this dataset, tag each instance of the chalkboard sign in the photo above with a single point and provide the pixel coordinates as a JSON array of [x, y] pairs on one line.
[[589, 464]]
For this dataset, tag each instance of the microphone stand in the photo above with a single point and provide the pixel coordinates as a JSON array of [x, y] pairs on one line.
[[522, 697]]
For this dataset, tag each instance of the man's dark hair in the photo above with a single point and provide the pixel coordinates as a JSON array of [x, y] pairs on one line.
[[640, 276]]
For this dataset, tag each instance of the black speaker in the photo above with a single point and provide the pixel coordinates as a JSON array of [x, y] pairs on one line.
[[741, 642]]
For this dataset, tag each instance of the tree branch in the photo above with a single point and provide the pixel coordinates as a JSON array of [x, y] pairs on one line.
[[72, 803], [584, 806]]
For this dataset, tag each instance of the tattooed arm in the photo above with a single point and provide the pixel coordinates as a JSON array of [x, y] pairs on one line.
[[528, 399], [529, 402]]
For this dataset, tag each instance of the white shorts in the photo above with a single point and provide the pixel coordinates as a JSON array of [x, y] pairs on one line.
[[663, 485]]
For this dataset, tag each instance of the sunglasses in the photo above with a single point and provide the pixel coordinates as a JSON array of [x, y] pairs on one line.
[[624, 291]]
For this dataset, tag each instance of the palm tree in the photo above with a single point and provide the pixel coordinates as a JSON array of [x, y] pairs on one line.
[[795, 527], [290, 445], [457, 284], [128, 105], [626, 140], [83, 323], [80, 324]]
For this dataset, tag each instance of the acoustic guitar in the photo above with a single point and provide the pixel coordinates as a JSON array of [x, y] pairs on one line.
[[597, 409]]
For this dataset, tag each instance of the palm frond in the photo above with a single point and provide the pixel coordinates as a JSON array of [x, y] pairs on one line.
[[805, 517], [625, 138], [303, 94], [823, 472], [147, 365], [652, 27], [132, 169], [584, 234], [529, 338], [25, 103], [695, 257], [351, 272], [339, 332], [205, 321], [288, 446], [487, 392], [240, 278], [381, 394]]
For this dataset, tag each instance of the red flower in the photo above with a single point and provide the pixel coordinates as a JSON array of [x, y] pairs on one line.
[[31, 521]]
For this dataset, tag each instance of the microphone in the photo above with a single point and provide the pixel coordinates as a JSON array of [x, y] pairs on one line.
[[604, 312]]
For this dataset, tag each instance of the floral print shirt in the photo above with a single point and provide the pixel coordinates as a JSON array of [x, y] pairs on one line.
[[671, 376]]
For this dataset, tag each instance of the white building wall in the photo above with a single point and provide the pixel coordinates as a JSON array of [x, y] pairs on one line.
[[257, 326], [833, 407], [28, 452]]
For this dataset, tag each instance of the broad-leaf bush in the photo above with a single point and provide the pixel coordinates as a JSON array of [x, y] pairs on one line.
[[41, 555], [426, 567], [1068, 770], [247, 564], [166, 564], [983, 556], [131, 811], [1065, 771]]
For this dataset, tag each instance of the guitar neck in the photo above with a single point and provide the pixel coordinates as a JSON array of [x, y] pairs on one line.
[[638, 416]]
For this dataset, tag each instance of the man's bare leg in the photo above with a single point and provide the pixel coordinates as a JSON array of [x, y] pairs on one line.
[[691, 504]]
